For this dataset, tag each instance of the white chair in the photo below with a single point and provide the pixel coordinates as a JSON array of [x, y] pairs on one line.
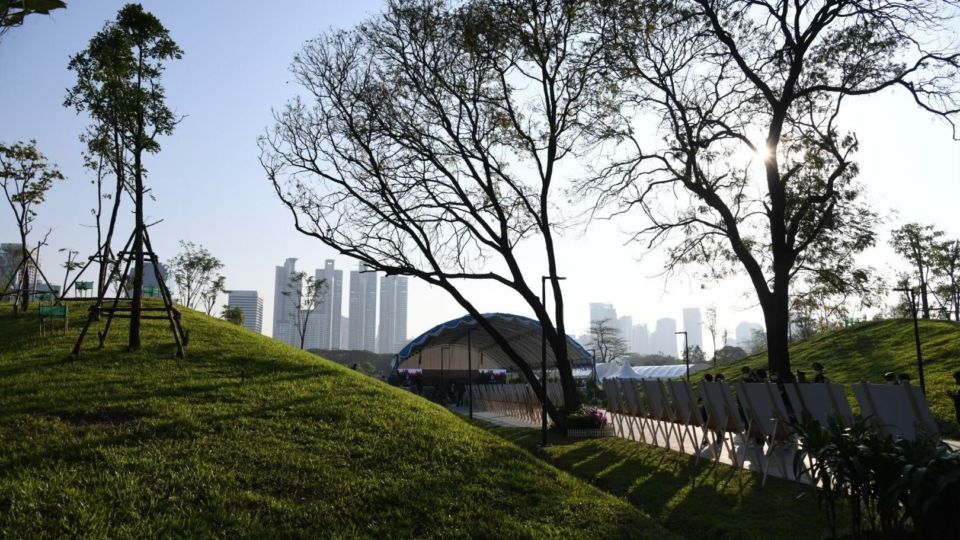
[[767, 418], [612, 390], [687, 413], [659, 410], [635, 408], [899, 410], [823, 402], [723, 416]]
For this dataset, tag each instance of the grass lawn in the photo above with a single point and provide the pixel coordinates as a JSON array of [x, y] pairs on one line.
[[868, 350], [252, 438], [706, 501]]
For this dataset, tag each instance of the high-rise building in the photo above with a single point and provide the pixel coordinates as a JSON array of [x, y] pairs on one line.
[[251, 305], [664, 338], [639, 339], [744, 333], [693, 327], [284, 307], [363, 309], [330, 308], [393, 314], [602, 312]]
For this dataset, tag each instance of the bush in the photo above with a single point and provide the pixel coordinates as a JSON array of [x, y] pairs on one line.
[[891, 487]]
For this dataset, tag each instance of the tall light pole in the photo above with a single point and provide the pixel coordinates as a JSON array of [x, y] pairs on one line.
[[543, 360], [686, 352], [912, 298]]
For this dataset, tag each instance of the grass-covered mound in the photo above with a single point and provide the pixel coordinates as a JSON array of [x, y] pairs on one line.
[[866, 351], [252, 438], [703, 501]]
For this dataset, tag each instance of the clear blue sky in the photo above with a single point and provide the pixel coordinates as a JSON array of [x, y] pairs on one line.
[[210, 189]]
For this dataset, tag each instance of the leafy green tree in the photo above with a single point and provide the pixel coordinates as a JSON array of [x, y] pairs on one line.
[[194, 272], [946, 267], [918, 244], [119, 86], [25, 178], [752, 168], [233, 315], [13, 12]]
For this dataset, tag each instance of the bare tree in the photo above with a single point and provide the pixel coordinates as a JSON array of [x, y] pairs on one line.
[[209, 297], [711, 316], [607, 341], [430, 146], [25, 178], [754, 169], [306, 293]]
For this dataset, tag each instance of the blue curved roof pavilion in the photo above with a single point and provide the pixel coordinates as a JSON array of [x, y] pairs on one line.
[[447, 343]]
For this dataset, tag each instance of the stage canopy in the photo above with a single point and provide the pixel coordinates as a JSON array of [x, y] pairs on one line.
[[448, 342]]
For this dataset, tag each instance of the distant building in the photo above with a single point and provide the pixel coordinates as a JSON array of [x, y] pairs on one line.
[[151, 285], [330, 309], [393, 314], [744, 333], [251, 305], [639, 339], [344, 332], [601, 312], [664, 337], [363, 309], [693, 326], [284, 307]]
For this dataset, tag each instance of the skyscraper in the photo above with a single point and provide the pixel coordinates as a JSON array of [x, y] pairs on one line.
[[363, 309], [639, 339], [330, 308], [393, 314], [284, 307], [601, 312], [665, 338], [251, 305], [693, 327]]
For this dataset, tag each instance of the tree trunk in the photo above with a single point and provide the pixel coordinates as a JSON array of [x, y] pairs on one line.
[[776, 315], [24, 299], [136, 306]]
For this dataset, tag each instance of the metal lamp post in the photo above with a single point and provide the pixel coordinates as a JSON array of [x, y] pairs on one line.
[[686, 352], [912, 298], [543, 361], [470, 370]]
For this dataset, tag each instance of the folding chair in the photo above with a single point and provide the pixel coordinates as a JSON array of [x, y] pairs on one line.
[[822, 402], [612, 391], [899, 410], [635, 409], [767, 419], [723, 417], [687, 413], [659, 410]]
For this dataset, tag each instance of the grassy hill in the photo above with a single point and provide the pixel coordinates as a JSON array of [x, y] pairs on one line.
[[252, 438], [866, 351]]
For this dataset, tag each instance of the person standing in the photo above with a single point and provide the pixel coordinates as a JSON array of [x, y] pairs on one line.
[[818, 376], [955, 395]]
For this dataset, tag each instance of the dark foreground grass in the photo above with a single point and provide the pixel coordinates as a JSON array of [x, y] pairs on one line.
[[866, 351], [703, 501], [252, 438]]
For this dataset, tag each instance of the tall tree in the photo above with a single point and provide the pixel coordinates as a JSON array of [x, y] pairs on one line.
[[607, 341], [305, 293], [946, 266], [194, 272], [119, 85], [918, 244], [753, 169], [25, 178], [431, 143], [213, 292]]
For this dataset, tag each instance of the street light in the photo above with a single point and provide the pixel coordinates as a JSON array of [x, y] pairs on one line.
[[912, 298], [543, 359], [470, 370], [686, 352]]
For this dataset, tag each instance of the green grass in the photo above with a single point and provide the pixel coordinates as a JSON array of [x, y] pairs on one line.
[[252, 438], [703, 501], [866, 351]]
